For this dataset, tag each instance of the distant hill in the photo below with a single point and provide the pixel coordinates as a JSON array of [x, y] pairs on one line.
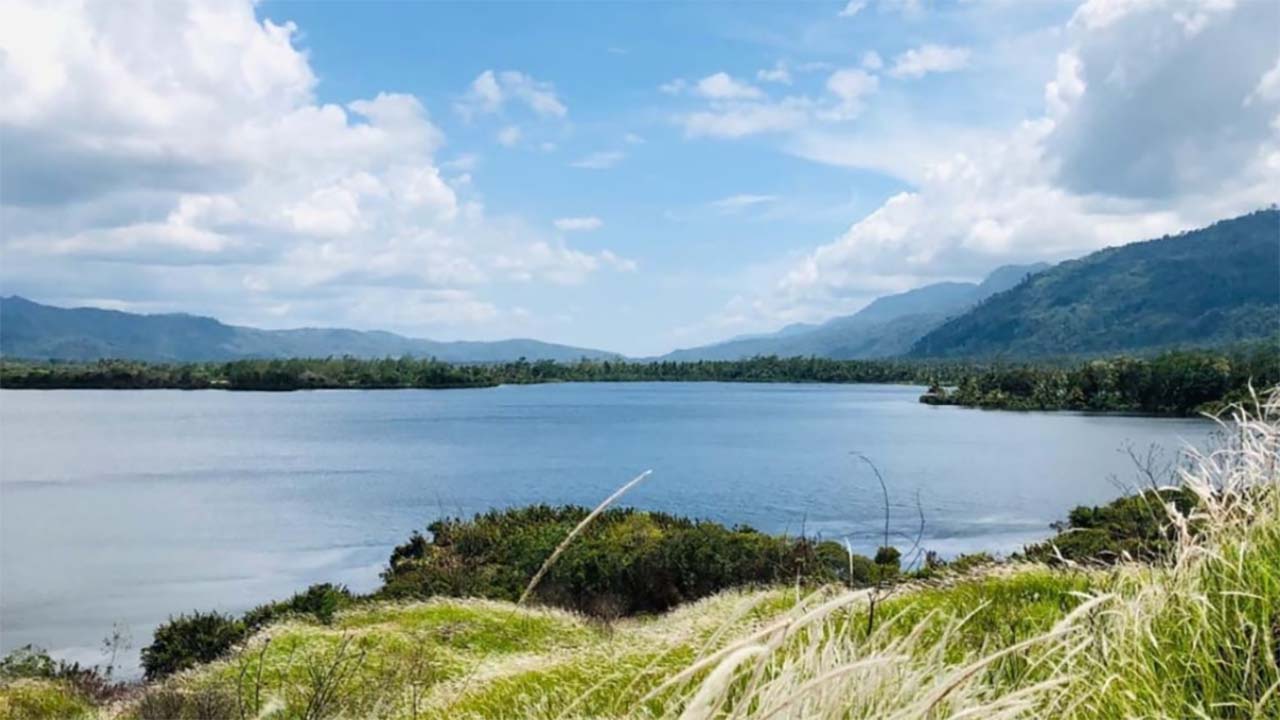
[[1212, 286], [34, 331], [886, 327]]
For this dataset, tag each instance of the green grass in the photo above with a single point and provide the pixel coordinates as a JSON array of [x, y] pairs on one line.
[[39, 699]]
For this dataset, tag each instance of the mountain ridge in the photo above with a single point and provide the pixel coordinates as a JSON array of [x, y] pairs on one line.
[[1210, 286], [885, 327], [33, 330]]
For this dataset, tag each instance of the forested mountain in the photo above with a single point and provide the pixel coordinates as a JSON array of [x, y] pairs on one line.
[[886, 327], [1211, 286], [31, 330]]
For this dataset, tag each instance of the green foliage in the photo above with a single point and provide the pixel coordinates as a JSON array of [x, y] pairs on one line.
[[1136, 527], [1213, 286], [626, 562], [43, 700], [29, 662], [1172, 383], [320, 601], [389, 373], [188, 640]]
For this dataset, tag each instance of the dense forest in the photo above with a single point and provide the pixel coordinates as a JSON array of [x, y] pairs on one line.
[[302, 374], [1173, 383], [1178, 382]]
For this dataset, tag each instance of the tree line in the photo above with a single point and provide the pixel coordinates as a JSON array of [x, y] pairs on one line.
[[356, 373], [1175, 382], [1172, 383]]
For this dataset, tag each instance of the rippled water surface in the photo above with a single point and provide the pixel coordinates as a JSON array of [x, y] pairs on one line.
[[126, 506]]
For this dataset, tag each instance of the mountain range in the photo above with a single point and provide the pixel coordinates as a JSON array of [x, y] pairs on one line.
[[888, 326], [32, 330], [1211, 286]]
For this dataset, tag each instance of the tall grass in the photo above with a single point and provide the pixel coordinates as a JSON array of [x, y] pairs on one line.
[[1194, 636]]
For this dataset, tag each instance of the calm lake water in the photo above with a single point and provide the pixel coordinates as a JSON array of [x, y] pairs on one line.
[[126, 506]]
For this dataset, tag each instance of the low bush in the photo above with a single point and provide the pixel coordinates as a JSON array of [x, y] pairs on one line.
[[1135, 527], [627, 562], [203, 703], [320, 601], [188, 640], [87, 684]]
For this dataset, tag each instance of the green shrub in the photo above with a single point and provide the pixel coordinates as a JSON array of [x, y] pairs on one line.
[[29, 662], [626, 562], [188, 640], [320, 601], [1136, 527]]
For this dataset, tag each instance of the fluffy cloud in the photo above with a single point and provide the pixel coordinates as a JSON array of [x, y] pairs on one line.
[[1165, 100], [776, 74], [851, 8], [735, 110], [1156, 120], [918, 62], [742, 119], [179, 157], [491, 91], [571, 224], [850, 86], [721, 86]]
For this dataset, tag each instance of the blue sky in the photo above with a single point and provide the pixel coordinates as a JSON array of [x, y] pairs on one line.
[[631, 176]]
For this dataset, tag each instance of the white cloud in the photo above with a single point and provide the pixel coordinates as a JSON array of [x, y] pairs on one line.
[[617, 262], [674, 87], [850, 86], [578, 224], [742, 119], [601, 160], [721, 86], [871, 60], [185, 146], [1133, 143], [509, 136], [737, 203], [491, 91], [632, 139], [851, 8], [1149, 110], [918, 62], [777, 74], [1268, 87]]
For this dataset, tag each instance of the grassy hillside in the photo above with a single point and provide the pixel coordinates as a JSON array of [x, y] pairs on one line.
[[1212, 286]]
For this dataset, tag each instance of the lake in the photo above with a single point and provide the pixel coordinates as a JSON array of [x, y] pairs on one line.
[[126, 506]]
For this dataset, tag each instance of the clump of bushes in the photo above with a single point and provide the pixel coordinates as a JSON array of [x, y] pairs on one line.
[[188, 640], [627, 562], [1135, 527], [71, 684], [320, 602]]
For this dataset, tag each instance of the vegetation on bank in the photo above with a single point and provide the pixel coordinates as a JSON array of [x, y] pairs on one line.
[[1177, 382], [1173, 383]]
